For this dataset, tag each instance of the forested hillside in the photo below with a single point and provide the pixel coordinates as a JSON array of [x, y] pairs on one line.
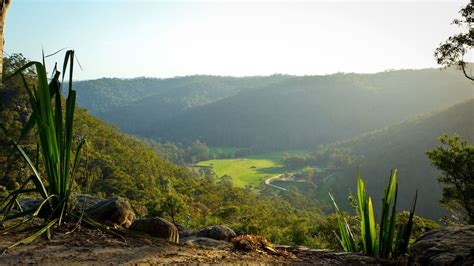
[[268, 113], [136, 104], [115, 164], [404, 147]]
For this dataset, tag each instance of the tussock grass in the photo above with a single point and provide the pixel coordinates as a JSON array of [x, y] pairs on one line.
[[52, 121], [376, 240]]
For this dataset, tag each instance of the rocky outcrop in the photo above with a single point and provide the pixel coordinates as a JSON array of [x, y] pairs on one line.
[[157, 227], [452, 245], [113, 212], [205, 242], [218, 232]]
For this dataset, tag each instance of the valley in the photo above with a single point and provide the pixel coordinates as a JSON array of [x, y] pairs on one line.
[[244, 120], [234, 132]]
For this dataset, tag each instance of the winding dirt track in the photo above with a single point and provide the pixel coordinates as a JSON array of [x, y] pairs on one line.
[[269, 180]]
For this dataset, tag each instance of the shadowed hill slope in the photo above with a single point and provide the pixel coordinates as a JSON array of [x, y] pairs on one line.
[[403, 146]]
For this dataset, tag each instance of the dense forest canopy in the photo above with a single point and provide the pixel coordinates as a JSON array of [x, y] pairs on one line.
[[270, 113]]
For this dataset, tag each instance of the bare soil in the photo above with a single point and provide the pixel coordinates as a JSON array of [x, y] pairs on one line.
[[92, 246]]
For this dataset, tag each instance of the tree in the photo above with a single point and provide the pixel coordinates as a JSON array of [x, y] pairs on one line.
[[4, 4], [452, 51], [173, 206], [456, 162]]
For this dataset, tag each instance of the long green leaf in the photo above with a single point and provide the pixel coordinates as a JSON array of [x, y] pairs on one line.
[[347, 238], [36, 177], [386, 223], [35, 235], [76, 160], [391, 232], [403, 238]]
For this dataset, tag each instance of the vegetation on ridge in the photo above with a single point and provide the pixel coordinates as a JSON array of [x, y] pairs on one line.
[[455, 159]]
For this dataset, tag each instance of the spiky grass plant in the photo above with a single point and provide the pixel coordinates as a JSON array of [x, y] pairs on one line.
[[54, 130], [375, 242]]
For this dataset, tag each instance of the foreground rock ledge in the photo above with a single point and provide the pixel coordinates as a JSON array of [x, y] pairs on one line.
[[91, 246], [452, 245]]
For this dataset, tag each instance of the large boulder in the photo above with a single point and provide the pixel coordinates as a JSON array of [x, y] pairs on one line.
[[114, 212], [184, 231], [27, 204], [205, 242], [218, 232], [452, 245], [157, 227], [77, 202], [84, 201]]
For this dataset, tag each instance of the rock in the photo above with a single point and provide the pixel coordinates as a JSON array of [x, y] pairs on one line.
[[218, 232], [78, 202], [157, 227], [185, 232], [114, 212], [452, 245], [85, 201], [205, 242], [28, 204]]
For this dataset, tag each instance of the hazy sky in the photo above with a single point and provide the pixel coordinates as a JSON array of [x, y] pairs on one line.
[[164, 39]]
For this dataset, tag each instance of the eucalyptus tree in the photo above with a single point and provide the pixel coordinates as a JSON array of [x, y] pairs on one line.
[[453, 50], [4, 4]]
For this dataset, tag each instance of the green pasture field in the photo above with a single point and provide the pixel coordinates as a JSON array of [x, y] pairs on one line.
[[251, 170]]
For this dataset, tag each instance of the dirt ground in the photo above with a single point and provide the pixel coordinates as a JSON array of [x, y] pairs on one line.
[[91, 246]]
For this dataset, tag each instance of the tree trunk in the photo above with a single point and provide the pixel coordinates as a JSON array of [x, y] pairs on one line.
[[3, 7]]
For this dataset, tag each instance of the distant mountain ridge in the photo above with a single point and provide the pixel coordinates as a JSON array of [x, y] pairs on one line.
[[274, 112]]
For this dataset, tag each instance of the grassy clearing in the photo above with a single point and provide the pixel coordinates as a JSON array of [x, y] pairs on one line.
[[252, 170]]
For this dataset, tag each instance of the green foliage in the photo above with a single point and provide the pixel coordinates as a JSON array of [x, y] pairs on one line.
[[455, 159], [54, 137], [173, 206], [452, 51], [222, 152], [250, 170], [14, 106], [332, 157], [404, 232], [367, 219], [377, 240], [346, 239], [295, 162], [180, 154], [420, 225]]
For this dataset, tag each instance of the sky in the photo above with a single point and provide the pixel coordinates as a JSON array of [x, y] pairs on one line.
[[127, 39]]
